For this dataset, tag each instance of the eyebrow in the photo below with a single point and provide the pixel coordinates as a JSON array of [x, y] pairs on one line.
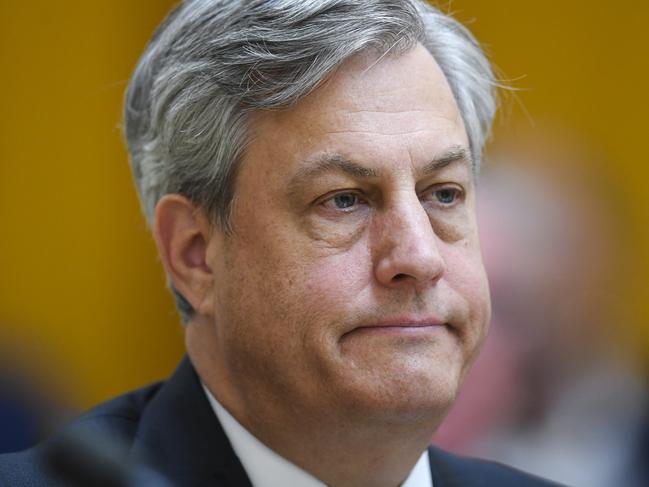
[[329, 162], [454, 154]]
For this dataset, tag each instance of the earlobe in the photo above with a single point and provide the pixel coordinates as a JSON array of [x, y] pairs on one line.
[[182, 234]]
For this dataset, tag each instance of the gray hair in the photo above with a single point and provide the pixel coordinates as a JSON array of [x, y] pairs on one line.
[[213, 62]]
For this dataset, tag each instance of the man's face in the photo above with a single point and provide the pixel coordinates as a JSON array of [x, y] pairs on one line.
[[353, 283]]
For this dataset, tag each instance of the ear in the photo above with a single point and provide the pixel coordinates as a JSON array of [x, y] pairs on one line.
[[182, 233]]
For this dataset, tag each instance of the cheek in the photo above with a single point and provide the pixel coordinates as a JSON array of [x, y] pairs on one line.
[[334, 281], [291, 278], [467, 277]]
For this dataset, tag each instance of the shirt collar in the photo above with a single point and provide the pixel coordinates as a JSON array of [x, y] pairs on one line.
[[265, 468]]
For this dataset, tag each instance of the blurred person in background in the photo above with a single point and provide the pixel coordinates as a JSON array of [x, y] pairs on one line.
[[20, 420], [308, 170], [30, 409], [555, 390]]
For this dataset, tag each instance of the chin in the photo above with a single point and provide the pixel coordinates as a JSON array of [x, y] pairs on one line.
[[418, 396]]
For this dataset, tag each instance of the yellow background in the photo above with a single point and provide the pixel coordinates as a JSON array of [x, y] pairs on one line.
[[82, 294]]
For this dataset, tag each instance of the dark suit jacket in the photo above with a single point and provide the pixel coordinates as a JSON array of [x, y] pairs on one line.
[[174, 425]]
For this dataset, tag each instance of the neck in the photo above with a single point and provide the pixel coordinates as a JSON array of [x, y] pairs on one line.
[[326, 443]]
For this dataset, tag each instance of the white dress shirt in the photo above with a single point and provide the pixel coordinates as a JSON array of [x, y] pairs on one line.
[[265, 468]]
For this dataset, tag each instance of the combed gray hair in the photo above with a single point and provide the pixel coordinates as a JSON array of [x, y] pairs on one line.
[[213, 62]]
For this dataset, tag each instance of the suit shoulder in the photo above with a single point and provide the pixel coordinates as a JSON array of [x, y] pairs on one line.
[[451, 469], [119, 416]]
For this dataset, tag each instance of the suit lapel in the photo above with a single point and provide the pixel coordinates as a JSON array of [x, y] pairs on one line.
[[442, 473], [180, 436]]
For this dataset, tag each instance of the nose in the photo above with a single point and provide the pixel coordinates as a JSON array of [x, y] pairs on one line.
[[406, 247]]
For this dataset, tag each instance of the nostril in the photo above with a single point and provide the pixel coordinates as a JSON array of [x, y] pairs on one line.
[[400, 277]]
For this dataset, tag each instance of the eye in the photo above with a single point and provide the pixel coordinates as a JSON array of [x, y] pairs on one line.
[[346, 201], [446, 196]]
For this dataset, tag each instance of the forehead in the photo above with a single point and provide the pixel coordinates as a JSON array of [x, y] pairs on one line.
[[388, 85], [371, 106]]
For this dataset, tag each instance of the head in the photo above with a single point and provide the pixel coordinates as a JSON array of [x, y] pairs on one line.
[[308, 168]]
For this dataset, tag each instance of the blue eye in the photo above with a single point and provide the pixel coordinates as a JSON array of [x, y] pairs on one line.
[[446, 196], [344, 201]]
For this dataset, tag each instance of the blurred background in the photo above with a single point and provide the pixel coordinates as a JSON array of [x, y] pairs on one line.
[[561, 387]]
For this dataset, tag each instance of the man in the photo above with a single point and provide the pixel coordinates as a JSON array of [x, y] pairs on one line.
[[308, 170]]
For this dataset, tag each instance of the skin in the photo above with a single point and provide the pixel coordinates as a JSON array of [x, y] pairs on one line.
[[338, 319]]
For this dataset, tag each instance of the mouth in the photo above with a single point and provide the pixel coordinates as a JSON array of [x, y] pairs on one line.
[[403, 327]]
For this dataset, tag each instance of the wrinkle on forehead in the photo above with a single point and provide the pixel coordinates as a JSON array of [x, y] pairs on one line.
[[374, 132], [390, 123], [388, 111]]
